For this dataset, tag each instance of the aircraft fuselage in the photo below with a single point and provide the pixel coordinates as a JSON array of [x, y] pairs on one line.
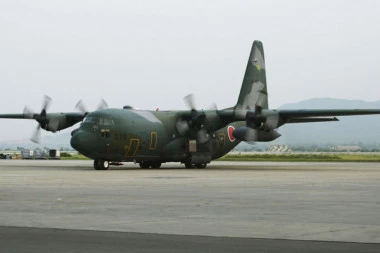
[[149, 136]]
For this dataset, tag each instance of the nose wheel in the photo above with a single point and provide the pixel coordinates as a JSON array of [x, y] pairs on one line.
[[101, 165]]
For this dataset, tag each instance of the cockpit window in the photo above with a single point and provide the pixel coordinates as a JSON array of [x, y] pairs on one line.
[[87, 120], [99, 121], [108, 122]]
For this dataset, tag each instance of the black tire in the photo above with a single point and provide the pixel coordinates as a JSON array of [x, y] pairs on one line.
[[96, 164], [103, 165], [201, 165], [144, 165], [156, 165], [189, 165]]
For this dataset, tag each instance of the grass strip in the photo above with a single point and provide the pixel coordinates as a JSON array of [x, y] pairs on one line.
[[323, 157]]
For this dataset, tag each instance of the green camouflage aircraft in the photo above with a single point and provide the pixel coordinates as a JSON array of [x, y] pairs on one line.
[[193, 137]]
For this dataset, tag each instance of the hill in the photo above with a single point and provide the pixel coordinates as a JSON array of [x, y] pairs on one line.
[[349, 130]]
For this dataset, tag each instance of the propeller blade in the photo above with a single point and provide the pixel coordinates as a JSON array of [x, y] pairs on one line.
[[189, 101], [213, 107], [28, 113], [182, 126], [202, 136], [272, 122], [102, 104], [81, 107], [36, 135], [46, 104], [211, 113]]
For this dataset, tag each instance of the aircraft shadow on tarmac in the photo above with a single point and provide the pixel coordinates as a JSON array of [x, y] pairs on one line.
[[230, 167]]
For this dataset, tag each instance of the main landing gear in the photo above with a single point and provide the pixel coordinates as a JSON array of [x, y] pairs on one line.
[[190, 165], [147, 165], [101, 165]]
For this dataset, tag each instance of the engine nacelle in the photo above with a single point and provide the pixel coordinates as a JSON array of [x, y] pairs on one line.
[[249, 134], [57, 121]]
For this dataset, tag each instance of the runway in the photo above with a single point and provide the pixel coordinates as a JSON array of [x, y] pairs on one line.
[[244, 205]]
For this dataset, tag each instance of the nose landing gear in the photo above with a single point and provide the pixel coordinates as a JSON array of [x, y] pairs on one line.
[[101, 165]]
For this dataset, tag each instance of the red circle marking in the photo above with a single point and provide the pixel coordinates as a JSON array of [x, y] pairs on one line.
[[230, 130]]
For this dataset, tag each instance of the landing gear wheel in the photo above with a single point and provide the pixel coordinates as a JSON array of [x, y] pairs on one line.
[[156, 165], [189, 165], [96, 164], [201, 165], [144, 165], [101, 165]]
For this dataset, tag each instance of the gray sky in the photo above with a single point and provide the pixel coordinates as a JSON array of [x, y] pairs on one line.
[[151, 54]]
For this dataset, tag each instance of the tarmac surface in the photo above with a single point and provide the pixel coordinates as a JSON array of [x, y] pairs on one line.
[[66, 206]]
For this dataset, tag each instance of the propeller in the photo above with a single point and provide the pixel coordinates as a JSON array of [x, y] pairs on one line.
[[194, 124], [211, 113], [102, 104], [36, 136], [41, 118], [53, 122], [260, 120], [260, 126], [80, 106], [190, 101], [182, 126]]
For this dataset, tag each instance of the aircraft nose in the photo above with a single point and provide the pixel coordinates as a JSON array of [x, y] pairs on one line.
[[79, 141]]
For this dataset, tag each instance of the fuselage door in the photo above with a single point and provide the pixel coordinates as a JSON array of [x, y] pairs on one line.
[[221, 139]]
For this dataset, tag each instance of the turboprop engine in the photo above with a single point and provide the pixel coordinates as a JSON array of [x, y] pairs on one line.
[[249, 134]]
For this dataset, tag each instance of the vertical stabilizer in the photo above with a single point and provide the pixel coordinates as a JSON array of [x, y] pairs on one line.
[[253, 93]]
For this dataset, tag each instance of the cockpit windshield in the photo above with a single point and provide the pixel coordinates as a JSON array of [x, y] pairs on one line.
[[99, 121]]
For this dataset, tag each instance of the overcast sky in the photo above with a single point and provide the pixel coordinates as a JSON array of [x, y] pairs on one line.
[[151, 54]]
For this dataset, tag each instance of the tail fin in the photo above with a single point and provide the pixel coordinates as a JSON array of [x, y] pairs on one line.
[[253, 93]]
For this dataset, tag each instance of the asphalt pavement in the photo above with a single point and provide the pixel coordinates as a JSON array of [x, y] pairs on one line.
[[66, 206]]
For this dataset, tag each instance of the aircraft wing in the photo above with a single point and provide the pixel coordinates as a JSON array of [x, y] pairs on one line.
[[317, 115], [326, 112], [50, 121]]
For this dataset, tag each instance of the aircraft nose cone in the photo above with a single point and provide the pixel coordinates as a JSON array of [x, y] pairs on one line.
[[74, 131], [78, 141]]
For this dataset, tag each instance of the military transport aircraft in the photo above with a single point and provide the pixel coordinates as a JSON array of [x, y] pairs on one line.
[[193, 137]]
